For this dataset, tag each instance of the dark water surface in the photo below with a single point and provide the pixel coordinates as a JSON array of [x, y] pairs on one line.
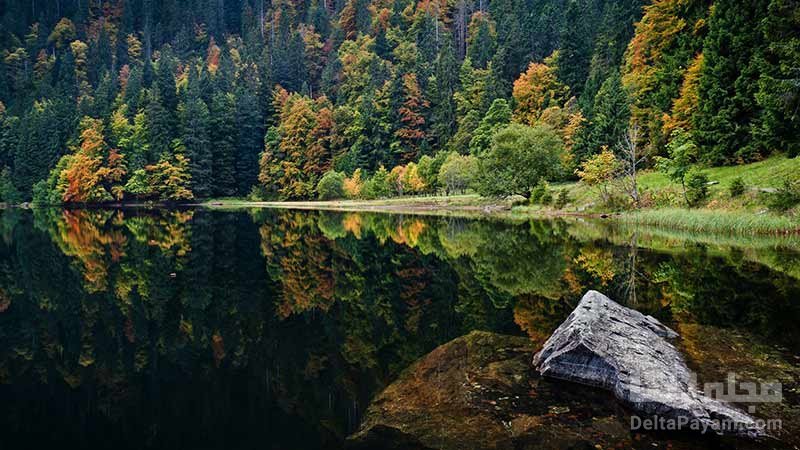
[[274, 329]]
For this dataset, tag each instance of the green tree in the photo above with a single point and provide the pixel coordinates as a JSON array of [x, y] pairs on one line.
[[611, 114], [331, 186], [728, 83], [195, 121], [683, 153], [498, 116], [778, 92], [457, 172], [519, 158], [222, 133]]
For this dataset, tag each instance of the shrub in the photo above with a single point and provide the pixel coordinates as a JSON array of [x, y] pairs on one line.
[[331, 186], [737, 187], [562, 199], [258, 193], [696, 186], [378, 186], [600, 170], [546, 198], [540, 193], [519, 157], [8, 192], [353, 185], [786, 197], [458, 172]]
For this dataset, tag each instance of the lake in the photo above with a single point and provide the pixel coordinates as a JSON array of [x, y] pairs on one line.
[[192, 328]]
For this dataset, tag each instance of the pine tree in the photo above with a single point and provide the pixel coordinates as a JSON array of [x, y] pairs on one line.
[[609, 123], [250, 132], [195, 121], [222, 121], [576, 46], [443, 107], [158, 124], [482, 39], [498, 116], [778, 86], [728, 83]]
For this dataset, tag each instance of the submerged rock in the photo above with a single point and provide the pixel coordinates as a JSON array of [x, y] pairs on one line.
[[606, 345]]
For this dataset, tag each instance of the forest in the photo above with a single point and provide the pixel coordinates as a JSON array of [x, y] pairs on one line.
[[285, 99]]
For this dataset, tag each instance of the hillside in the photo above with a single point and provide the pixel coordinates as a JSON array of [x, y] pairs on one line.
[[181, 100]]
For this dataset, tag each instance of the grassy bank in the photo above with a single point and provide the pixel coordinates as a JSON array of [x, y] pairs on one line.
[[714, 221], [721, 214]]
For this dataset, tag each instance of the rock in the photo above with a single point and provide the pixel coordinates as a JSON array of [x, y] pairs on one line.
[[606, 345], [479, 392], [448, 399]]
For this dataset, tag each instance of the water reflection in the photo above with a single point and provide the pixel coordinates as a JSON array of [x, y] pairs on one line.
[[165, 328]]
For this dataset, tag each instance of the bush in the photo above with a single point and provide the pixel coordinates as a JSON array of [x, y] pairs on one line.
[[562, 199], [258, 193], [546, 198], [786, 197], [378, 186], [353, 185], [519, 157], [696, 186], [8, 192], [540, 194], [737, 187], [457, 172], [331, 186]]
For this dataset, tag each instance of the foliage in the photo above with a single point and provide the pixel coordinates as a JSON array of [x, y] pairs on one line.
[[696, 186], [600, 170], [498, 116], [458, 172], [682, 155], [273, 95], [331, 186], [541, 194], [535, 90], [169, 179], [737, 187], [562, 199], [378, 185], [786, 197], [8, 192], [520, 157], [353, 185]]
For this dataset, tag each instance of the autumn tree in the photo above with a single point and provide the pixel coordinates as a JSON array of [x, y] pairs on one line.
[[92, 172], [535, 90], [411, 133]]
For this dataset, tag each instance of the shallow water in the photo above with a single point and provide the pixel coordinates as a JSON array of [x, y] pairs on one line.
[[275, 329]]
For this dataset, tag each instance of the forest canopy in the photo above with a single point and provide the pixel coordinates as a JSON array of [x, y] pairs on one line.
[[176, 100]]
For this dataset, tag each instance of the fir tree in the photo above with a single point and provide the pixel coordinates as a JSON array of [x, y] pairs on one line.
[[222, 123], [195, 121]]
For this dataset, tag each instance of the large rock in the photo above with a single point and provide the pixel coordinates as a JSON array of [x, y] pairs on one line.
[[606, 345], [479, 392]]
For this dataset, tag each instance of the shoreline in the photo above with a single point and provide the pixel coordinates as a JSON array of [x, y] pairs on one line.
[[470, 206]]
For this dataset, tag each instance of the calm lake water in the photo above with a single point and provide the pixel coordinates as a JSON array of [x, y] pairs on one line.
[[275, 329]]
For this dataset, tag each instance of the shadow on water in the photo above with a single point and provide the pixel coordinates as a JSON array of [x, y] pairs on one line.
[[166, 328]]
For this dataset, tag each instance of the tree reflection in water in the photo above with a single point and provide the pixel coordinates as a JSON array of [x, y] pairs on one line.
[[188, 327]]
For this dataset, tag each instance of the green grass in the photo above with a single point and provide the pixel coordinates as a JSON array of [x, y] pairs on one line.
[[714, 221], [742, 216], [767, 174]]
